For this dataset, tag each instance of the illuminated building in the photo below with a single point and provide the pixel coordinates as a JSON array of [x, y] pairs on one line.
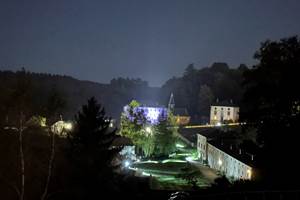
[[61, 127], [224, 112], [152, 115], [226, 160], [181, 114]]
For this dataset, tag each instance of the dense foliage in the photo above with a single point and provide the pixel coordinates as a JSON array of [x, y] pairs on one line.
[[195, 90], [154, 140], [272, 98]]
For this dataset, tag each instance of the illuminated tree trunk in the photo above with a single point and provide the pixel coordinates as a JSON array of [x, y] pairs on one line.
[[49, 166]]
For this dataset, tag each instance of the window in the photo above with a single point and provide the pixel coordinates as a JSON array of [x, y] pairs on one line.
[[228, 113]]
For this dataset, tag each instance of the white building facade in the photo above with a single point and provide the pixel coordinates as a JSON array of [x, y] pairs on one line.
[[222, 114], [221, 161]]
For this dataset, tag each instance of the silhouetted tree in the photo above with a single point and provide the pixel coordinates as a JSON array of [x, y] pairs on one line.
[[92, 150], [205, 100], [56, 104], [272, 98]]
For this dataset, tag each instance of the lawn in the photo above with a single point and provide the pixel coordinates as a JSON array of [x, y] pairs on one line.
[[164, 174]]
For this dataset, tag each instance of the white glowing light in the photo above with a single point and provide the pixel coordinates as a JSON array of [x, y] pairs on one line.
[[189, 159], [249, 173], [148, 130], [179, 145], [146, 174], [127, 163], [218, 124], [220, 162], [68, 126]]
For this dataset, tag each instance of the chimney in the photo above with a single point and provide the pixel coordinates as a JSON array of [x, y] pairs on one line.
[[252, 157], [240, 151]]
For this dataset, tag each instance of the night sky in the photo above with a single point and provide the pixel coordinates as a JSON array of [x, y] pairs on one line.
[[151, 39]]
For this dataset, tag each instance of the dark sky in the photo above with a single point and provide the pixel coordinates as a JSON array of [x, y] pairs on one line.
[[151, 39]]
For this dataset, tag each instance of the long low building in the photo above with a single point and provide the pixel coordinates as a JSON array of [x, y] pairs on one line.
[[222, 161]]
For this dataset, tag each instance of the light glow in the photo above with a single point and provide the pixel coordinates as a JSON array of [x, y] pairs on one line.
[[148, 130], [127, 164], [68, 126], [249, 172], [220, 162], [179, 145]]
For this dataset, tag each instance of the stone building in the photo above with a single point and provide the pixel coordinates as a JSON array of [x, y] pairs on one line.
[[225, 159], [224, 112], [181, 114]]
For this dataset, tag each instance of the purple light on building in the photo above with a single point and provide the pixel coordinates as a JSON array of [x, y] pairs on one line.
[[153, 115]]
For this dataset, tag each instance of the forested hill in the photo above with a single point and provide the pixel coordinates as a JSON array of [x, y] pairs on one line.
[[41, 91], [45, 94], [197, 89]]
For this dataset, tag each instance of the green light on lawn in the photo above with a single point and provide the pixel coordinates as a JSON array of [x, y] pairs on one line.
[[179, 145]]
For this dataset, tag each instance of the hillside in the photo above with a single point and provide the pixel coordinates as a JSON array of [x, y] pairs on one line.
[[195, 90], [75, 92]]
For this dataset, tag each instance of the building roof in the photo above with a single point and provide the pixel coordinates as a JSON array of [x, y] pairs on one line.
[[232, 149], [180, 112], [225, 103], [221, 140]]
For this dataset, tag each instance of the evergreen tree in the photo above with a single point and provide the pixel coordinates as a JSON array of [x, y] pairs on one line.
[[92, 151]]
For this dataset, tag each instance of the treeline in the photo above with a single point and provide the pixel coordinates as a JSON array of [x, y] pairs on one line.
[[48, 95], [196, 90]]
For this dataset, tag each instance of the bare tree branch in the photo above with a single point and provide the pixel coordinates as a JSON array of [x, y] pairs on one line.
[[51, 159], [22, 158]]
